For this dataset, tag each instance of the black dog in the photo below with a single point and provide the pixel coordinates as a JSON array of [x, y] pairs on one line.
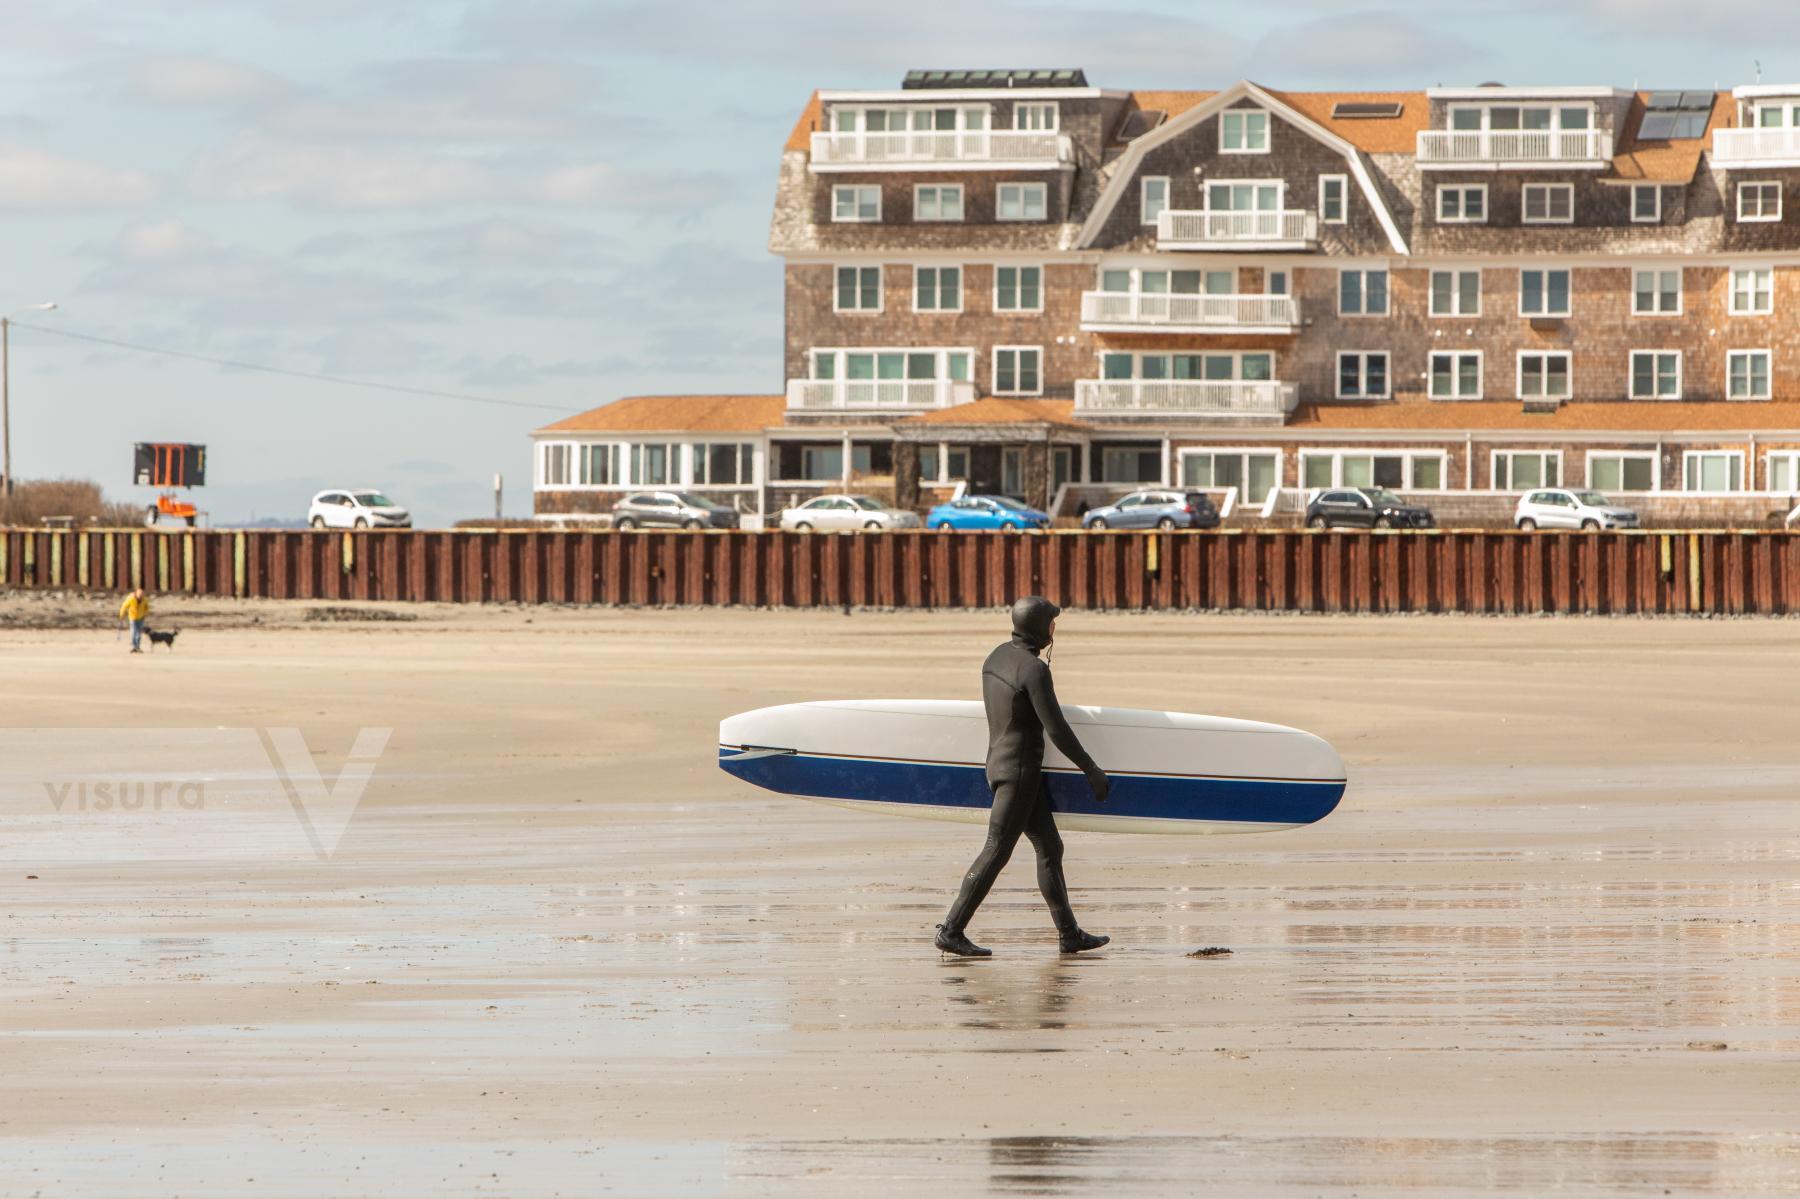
[[167, 638]]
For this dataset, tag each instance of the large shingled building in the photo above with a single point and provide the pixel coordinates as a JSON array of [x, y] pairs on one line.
[[1018, 282]]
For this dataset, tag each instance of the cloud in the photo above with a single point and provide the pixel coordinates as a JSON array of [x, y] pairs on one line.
[[35, 178], [606, 185], [455, 101], [253, 166], [191, 81], [160, 241], [499, 243], [1385, 48], [1748, 23]]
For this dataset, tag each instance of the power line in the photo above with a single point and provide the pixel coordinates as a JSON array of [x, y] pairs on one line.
[[278, 370]]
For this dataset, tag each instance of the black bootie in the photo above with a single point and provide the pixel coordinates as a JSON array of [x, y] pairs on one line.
[[953, 941], [1075, 941]]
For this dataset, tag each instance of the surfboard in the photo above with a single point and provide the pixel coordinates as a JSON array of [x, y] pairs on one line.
[[1171, 772]]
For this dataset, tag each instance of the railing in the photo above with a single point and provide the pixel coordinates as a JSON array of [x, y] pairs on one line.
[[877, 394], [1164, 310], [1755, 145], [929, 146], [1523, 146], [1209, 397], [1231, 228]]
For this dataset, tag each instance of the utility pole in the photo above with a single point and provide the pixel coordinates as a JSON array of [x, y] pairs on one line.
[[6, 475]]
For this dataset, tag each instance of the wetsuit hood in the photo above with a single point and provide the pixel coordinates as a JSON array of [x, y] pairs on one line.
[[1031, 617]]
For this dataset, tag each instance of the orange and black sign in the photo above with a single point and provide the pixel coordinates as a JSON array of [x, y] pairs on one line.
[[169, 464]]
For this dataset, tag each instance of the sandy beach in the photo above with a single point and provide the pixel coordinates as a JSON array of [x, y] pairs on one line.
[[1547, 944]]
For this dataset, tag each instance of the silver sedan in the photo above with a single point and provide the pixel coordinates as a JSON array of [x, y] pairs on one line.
[[835, 513]]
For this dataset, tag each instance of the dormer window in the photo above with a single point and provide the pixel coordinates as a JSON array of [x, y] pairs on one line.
[[920, 119], [1777, 114], [1040, 117], [1244, 131], [1526, 118]]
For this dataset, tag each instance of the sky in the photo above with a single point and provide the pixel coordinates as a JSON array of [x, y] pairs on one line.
[[549, 204]]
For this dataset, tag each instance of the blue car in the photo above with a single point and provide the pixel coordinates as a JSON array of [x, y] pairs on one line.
[[985, 512]]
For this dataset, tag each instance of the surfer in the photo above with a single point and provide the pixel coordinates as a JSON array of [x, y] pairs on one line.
[[1021, 709]]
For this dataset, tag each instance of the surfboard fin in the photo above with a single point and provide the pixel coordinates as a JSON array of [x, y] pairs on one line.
[[758, 751]]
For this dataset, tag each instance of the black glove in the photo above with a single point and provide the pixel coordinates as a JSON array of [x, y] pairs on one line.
[[1098, 781]]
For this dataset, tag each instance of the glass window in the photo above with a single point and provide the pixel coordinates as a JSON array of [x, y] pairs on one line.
[[957, 363], [1362, 376], [938, 202], [1115, 281], [1747, 374], [1520, 470], [1155, 197], [1016, 370], [1655, 375], [1549, 203], [859, 289], [1363, 293], [1752, 291], [1034, 116], [1712, 471], [855, 203], [1333, 198], [556, 464], [938, 289], [1456, 376], [1244, 131], [1020, 288], [1543, 376], [1544, 293], [1621, 472], [1784, 472], [1455, 293], [1115, 366], [1021, 202], [1759, 201], [1646, 203], [1656, 292], [1465, 204]]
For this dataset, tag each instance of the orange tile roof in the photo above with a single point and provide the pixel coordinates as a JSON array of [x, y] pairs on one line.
[[812, 119], [1621, 416], [1669, 161], [1173, 103], [998, 410], [677, 414], [1372, 135]]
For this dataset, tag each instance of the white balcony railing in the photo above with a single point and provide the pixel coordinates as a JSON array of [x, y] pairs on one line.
[[1105, 310], [1733, 146], [876, 395], [1220, 229], [1236, 397], [923, 147], [1515, 147]]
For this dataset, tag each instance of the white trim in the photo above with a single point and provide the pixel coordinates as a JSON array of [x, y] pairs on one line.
[[1480, 357], [925, 97], [1650, 456], [855, 220], [1145, 216], [1731, 294], [994, 370], [1758, 184], [1184, 452], [1462, 203], [1055, 125], [1268, 132], [994, 304], [1363, 289], [1658, 270], [1043, 190], [1568, 374], [1338, 453], [1544, 291], [1766, 352], [1456, 276], [1688, 455], [940, 268], [1655, 218], [1631, 391], [1343, 182], [1769, 457], [1126, 168], [1584, 92], [1525, 217], [1494, 457], [962, 203], [880, 289], [1362, 374]]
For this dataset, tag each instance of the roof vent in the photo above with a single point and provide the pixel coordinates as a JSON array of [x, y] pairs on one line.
[[920, 81], [1491, 83], [1346, 110]]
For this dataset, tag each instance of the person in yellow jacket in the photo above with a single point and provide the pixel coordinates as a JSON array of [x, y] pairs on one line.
[[136, 609]]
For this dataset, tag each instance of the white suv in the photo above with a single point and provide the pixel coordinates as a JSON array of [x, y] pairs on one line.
[[360, 509], [1564, 508]]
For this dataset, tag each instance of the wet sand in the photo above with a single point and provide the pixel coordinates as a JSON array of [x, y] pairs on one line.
[[1548, 943]]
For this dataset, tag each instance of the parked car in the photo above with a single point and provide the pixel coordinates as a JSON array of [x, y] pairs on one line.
[[985, 512], [1155, 510], [1566, 508], [671, 510], [1364, 508], [833, 512], [356, 509]]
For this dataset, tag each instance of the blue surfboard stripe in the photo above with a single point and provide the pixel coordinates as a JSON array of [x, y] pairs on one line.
[[947, 785]]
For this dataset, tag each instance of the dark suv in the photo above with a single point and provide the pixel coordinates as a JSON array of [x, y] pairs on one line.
[[1364, 508], [671, 510]]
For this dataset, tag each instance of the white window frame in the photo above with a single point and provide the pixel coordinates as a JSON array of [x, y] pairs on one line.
[[1655, 374], [1387, 291], [1015, 266], [1757, 187], [1568, 374], [1525, 217], [880, 288], [962, 203], [1480, 357], [1655, 189], [621, 463], [1362, 374], [1343, 190], [1337, 454], [961, 287], [1792, 458], [1656, 290], [1544, 289], [1054, 125], [994, 370], [1226, 451], [1462, 204], [1043, 191], [697, 453], [1732, 355], [858, 188], [1494, 460], [1244, 130], [1687, 471], [1732, 280], [563, 451], [1456, 276], [1587, 478], [1145, 216]]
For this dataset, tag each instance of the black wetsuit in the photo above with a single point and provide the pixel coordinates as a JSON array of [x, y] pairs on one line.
[[1021, 709]]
